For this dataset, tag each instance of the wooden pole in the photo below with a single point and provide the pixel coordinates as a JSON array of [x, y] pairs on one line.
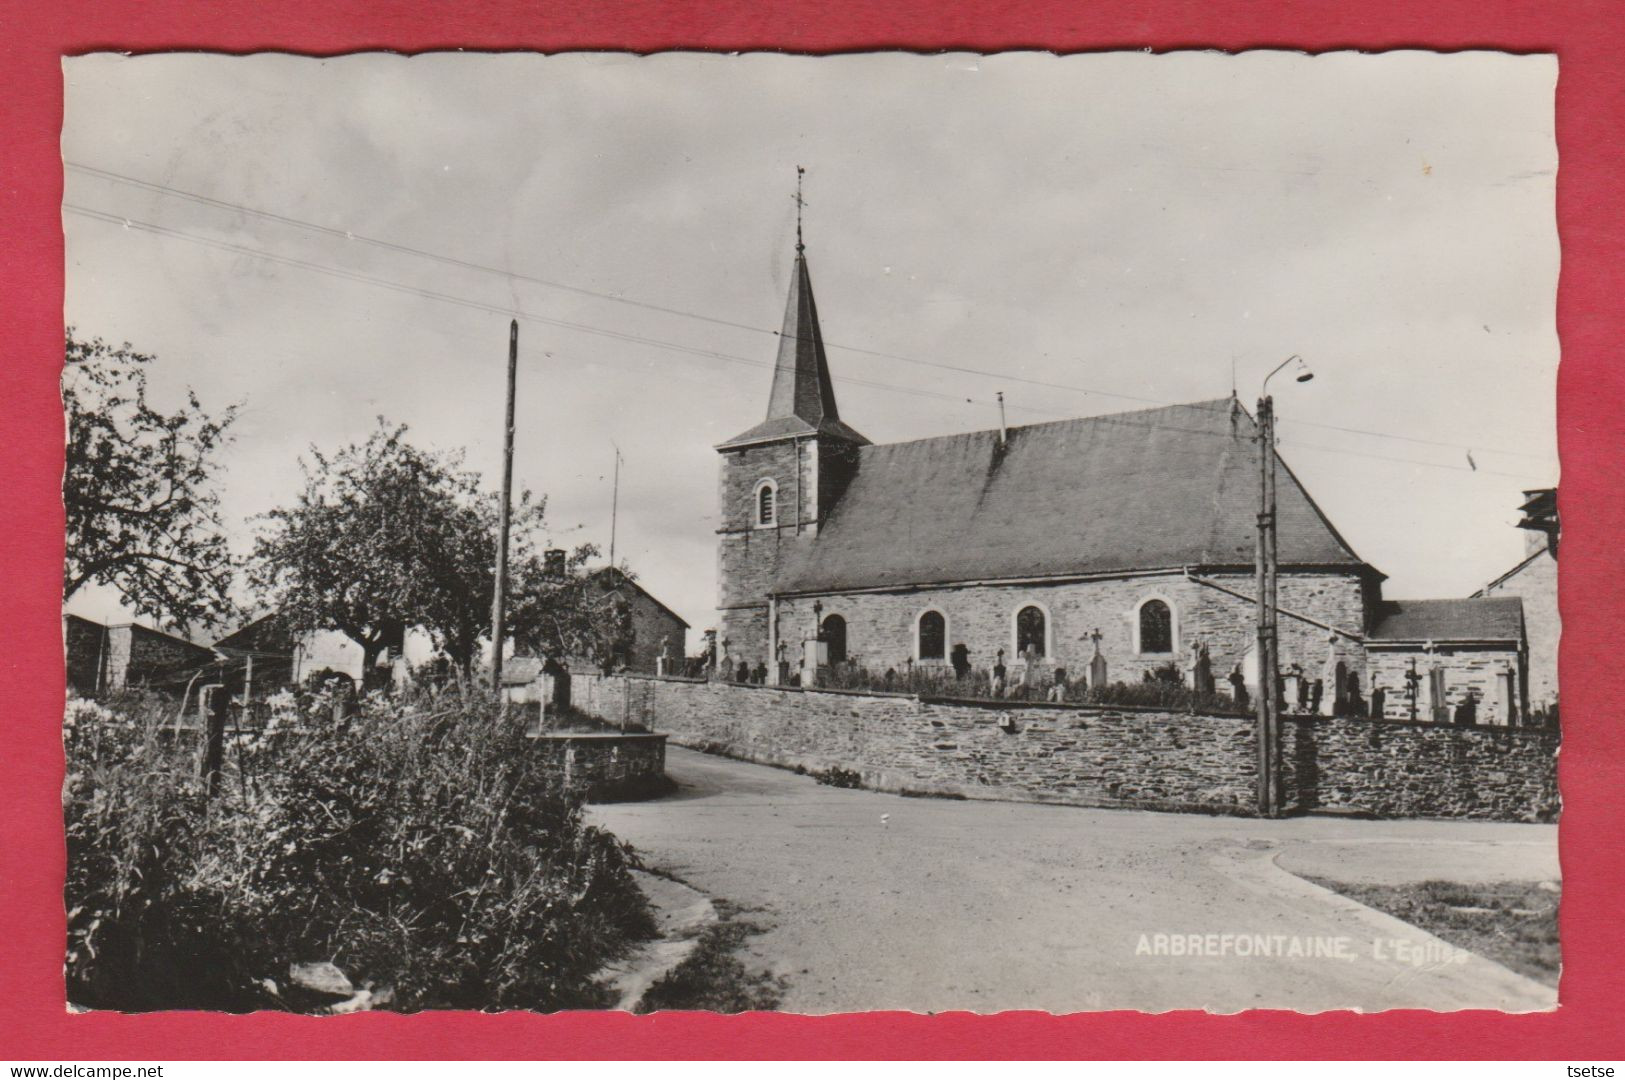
[[1261, 592], [499, 602], [1272, 611], [214, 739]]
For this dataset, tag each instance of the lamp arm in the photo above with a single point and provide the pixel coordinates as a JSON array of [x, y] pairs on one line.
[[1264, 390]]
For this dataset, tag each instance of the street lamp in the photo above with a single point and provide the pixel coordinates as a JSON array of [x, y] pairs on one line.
[[1268, 706]]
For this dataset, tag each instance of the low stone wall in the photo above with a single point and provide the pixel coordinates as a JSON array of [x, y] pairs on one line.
[[1411, 769], [607, 766], [1094, 755]]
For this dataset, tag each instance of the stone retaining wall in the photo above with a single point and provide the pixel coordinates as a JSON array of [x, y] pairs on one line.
[[1094, 755], [607, 766]]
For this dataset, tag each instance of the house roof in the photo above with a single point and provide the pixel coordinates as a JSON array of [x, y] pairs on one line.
[[1160, 488], [1524, 562], [1487, 618], [613, 578]]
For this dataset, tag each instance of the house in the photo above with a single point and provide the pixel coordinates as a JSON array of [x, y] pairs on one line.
[[1125, 538], [657, 630], [105, 658], [1534, 580]]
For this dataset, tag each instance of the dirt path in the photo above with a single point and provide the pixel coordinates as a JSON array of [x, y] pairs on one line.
[[881, 902]]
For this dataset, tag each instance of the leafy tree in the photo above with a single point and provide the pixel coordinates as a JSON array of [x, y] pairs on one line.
[[577, 612], [387, 536], [460, 581], [357, 549], [139, 489]]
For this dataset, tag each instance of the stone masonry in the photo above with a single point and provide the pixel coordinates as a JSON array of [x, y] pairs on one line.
[[1093, 755], [1475, 670], [880, 627]]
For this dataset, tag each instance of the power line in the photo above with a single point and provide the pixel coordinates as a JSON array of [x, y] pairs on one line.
[[465, 264], [495, 309], [515, 312]]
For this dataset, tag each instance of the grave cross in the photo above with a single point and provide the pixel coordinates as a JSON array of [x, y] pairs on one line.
[[1412, 683]]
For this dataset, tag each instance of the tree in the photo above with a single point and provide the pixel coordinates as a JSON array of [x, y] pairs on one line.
[[353, 552], [139, 489], [460, 579], [572, 611], [386, 536]]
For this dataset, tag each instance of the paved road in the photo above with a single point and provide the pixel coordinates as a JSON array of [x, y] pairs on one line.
[[876, 901]]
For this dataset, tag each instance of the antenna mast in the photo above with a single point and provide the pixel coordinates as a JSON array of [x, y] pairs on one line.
[[614, 505]]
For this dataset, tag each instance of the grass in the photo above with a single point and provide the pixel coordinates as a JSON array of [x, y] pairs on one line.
[[1513, 923], [713, 978]]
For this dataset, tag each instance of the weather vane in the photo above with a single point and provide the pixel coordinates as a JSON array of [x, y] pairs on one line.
[[800, 202]]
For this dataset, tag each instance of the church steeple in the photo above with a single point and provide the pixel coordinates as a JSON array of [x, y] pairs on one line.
[[802, 399], [801, 382]]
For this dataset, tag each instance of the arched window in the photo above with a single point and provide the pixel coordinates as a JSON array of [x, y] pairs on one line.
[[1156, 627], [933, 641], [833, 634], [1032, 629], [767, 504]]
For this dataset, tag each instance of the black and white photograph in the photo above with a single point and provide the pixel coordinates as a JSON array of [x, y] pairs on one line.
[[818, 534]]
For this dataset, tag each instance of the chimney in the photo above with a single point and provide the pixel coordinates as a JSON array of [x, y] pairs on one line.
[[1004, 432]]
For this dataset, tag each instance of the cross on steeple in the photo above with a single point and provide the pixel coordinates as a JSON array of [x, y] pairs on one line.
[[800, 202]]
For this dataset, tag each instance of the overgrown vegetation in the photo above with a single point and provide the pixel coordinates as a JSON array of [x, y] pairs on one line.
[[713, 978], [1164, 689], [1513, 923], [416, 845], [835, 776]]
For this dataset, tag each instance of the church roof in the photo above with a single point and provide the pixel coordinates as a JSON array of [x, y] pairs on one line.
[[1155, 489], [802, 401], [1488, 618]]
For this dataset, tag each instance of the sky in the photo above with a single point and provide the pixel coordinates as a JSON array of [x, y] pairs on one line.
[[1088, 234]]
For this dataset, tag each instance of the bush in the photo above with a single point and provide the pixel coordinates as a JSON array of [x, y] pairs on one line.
[[1163, 688], [422, 849], [835, 776]]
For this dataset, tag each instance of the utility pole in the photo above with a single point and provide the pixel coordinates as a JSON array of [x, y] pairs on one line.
[[499, 602], [1268, 565], [1265, 707]]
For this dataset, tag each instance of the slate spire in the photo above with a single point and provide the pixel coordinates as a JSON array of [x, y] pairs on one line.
[[802, 400], [801, 384]]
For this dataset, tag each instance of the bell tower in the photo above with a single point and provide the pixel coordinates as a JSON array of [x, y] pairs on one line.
[[780, 479]]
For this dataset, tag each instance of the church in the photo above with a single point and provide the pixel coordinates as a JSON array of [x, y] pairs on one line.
[[1115, 544]]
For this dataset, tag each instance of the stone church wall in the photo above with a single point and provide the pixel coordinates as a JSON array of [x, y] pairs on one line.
[[1092, 755], [880, 627]]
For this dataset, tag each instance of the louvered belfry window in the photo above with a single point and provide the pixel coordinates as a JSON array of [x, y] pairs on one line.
[[765, 508]]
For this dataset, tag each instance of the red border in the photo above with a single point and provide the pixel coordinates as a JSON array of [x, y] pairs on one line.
[[1588, 36]]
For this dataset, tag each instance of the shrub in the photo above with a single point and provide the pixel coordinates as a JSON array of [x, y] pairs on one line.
[[418, 846], [835, 776], [1162, 688]]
